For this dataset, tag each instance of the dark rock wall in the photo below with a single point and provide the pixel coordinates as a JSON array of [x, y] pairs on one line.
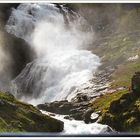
[[16, 52]]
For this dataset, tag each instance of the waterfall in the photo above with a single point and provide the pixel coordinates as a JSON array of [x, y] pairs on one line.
[[60, 38]]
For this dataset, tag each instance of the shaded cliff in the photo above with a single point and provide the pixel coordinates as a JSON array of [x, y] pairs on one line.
[[15, 53]]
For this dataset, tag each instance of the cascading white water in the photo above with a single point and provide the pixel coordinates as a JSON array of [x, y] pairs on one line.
[[60, 39], [62, 63]]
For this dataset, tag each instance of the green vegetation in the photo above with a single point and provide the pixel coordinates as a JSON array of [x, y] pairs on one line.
[[120, 110], [127, 118], [102, 103], [16, 116]]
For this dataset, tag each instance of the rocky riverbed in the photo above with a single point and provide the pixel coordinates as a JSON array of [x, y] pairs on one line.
[[78, 108]]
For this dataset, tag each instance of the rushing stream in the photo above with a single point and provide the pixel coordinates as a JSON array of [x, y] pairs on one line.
[[60, 39], [73, 127]]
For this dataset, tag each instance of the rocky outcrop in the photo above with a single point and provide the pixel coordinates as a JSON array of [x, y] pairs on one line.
[[123, 114], [17, 116], [120, 105], [77, 109], [72, 109]]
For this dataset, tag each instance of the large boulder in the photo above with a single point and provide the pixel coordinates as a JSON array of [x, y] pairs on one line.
[[58, 107], [88, 116]]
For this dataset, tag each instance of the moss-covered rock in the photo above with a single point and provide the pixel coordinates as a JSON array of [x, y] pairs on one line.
[[102, 103], [16, 116], [122, 114]]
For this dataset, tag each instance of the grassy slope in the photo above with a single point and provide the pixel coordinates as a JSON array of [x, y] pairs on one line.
[[116, 48], [16, 116], [116, 53], [124, 73], [102, 103]]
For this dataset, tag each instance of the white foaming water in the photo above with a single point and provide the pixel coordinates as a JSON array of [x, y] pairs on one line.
[[79, 127], [60, 39], [72, 127]]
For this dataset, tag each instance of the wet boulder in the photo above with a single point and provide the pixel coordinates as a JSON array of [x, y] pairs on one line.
[[77, 116], [88, 118]]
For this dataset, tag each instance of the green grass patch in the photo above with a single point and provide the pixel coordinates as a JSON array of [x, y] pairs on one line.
[[126, 118]]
